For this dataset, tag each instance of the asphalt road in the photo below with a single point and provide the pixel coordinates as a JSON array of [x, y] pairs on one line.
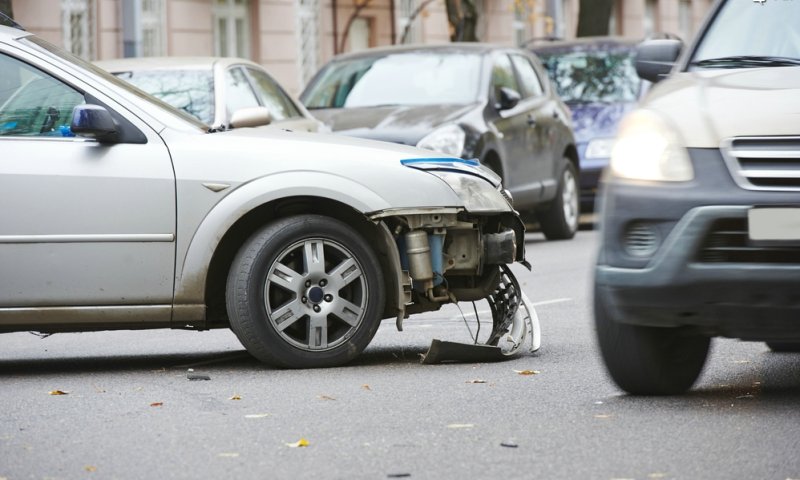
[[131, 411]]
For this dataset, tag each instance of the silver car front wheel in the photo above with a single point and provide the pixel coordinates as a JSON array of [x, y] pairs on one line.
[[305, 291]]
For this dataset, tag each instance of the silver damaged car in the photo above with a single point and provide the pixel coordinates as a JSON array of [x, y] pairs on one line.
[[120, 212]]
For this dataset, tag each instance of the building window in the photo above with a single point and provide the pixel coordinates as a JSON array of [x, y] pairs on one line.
[[76, 27], [360, 35], [405, 23], [685, 26], [650, 18], [231, 28], [153, 12], [308, 29]]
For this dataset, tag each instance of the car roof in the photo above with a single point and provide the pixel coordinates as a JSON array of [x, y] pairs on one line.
[[457, 47], [584, 43], [170, 63], [10, 33]]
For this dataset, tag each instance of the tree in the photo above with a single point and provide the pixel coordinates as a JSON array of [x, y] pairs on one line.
[[593, 17], [358, 5], [463, 19], [5, 7]]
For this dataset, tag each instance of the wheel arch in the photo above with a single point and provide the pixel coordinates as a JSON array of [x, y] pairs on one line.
[[201, 271]]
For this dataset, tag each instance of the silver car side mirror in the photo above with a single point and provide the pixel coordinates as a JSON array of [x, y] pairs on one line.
[[250, 117]]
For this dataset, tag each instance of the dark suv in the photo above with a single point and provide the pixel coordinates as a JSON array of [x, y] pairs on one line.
[[701, 207], [473, 101]]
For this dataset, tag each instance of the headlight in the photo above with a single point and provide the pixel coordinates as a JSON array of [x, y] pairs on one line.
[[599, 148], [477, 194], [648, 149], [448, 139]]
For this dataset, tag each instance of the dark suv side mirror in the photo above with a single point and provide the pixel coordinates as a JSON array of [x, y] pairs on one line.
[[509, 98], [655, 58], [94, 121]]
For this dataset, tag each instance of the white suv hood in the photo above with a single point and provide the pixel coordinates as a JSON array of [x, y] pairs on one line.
[[708, 106]]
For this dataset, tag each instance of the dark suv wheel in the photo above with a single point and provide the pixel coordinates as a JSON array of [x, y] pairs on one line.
[[559, 220]]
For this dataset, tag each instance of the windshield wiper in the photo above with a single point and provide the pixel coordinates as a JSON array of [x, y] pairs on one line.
[[746, 61]]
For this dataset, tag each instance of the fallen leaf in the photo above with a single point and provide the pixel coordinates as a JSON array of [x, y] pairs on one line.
[[656, 475], [300, 443], [461, 425], [235, 397], [509, 444], [257, 415], [527, 372], [477, 380], [326, 397], [398, 475], [90, 468], [603, 416], [365, 387], [228, 455], [58, 392], [157, 404]]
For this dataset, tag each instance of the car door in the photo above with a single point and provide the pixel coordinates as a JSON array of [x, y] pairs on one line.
[[516, 127], [542, 115], [82, 223]]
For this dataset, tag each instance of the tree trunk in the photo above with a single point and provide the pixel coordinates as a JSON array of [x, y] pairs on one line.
[[463, 19], [5, 7], [593, 17]]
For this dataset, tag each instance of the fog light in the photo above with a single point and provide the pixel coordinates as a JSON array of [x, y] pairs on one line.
[[640, 239]]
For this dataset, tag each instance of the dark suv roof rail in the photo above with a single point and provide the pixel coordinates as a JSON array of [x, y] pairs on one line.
[[6, 20]]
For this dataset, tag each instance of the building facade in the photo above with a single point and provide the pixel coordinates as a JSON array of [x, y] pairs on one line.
[[293, 38]]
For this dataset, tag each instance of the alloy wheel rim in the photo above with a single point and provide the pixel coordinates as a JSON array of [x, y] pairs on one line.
[[316, 294], [569, 200]]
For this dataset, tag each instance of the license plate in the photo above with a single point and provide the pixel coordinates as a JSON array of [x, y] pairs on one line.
[[780, 224]]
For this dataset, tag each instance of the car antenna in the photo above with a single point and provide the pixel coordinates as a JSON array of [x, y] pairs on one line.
[[6, 20]]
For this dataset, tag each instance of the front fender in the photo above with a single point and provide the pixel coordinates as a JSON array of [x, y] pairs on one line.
[[194, 256]]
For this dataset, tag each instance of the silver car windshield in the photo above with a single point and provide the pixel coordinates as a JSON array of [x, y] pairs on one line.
[[189, 90], [414, 78], [62, 55], [751, 34]]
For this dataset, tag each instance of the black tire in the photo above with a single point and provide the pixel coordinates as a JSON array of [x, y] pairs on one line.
[[649, 360], [290, 309], [784, 347], [559, 220]]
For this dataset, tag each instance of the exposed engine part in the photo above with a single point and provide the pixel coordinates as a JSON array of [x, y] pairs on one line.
[[500, 248]]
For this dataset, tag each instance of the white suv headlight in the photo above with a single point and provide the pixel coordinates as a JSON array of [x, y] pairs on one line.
[[648, 149], [448, 139]]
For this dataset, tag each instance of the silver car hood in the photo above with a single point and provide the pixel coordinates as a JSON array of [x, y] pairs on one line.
[[259, 153]]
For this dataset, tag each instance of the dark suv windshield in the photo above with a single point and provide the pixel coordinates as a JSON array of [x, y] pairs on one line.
[[751, 34], [597, 76], [415, 78]]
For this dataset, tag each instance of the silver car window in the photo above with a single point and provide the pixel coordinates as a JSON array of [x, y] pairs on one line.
[[238, 92], [36, 104], [272, 96]]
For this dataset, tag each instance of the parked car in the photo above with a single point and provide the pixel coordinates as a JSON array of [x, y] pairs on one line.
[[474, 101], [701, 224], [121, 212], [596, 78], [217, 91]]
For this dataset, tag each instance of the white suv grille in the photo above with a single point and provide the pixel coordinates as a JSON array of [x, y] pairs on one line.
[[764, 163]]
